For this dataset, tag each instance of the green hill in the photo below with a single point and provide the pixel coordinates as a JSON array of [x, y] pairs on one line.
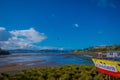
[[99, 49]]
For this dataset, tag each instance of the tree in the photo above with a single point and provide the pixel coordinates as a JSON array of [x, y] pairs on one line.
[[3, 52]]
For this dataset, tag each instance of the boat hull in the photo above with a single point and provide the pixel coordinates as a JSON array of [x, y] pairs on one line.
[[115, 74], [108, 67]]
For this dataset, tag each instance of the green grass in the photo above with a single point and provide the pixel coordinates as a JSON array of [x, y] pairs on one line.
[[65, 72]]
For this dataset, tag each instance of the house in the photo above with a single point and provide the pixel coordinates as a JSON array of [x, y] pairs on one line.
[[101, 55], [113, 54]]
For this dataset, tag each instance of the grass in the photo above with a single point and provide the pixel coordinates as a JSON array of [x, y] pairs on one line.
[[65, 72]]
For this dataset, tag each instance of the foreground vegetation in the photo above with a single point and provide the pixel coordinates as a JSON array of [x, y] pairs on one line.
[[65, 72]]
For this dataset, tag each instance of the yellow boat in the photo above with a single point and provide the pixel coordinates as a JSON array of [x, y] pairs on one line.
[[108, 65]]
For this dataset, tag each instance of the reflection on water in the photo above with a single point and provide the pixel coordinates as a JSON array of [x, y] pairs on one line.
[[57, 59]]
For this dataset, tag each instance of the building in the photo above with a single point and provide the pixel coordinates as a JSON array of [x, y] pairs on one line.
[[101, 55], [113, 54]]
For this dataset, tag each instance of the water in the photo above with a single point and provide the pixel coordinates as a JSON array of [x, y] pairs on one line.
[[53, 59]]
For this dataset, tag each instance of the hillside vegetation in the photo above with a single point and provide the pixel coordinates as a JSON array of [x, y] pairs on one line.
[[99, 49]]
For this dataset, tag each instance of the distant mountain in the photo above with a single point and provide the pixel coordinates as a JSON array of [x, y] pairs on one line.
[[3, 52], [37, 51]]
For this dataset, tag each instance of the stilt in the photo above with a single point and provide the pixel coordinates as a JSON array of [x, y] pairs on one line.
[[111, 77], [108, 77]]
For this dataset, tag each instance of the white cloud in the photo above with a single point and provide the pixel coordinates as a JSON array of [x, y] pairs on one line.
[[30, 34], [21, 39], [61, 49], [2, 28], [47, 47], [50, 48], [16, 43], [76, 25], [4, 35]]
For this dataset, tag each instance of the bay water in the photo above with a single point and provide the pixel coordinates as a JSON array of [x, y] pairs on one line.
[[50, 59]]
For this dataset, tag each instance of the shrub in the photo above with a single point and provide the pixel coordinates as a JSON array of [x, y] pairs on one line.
[[65, 72]]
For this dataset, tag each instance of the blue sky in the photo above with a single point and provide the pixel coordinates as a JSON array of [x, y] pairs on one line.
[[63, 24]]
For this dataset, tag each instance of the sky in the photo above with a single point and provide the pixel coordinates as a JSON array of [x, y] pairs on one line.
[[59, 24]]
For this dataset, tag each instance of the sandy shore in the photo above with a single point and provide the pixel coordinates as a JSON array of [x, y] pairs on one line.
[[25, 65]]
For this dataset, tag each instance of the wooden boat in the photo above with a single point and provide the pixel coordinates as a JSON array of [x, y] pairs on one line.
[[108, 65]]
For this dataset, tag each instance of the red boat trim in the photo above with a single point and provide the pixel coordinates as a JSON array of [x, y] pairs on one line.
[[115, 74]]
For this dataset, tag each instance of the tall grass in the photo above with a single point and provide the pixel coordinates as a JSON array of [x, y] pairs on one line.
[[65, 72]]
